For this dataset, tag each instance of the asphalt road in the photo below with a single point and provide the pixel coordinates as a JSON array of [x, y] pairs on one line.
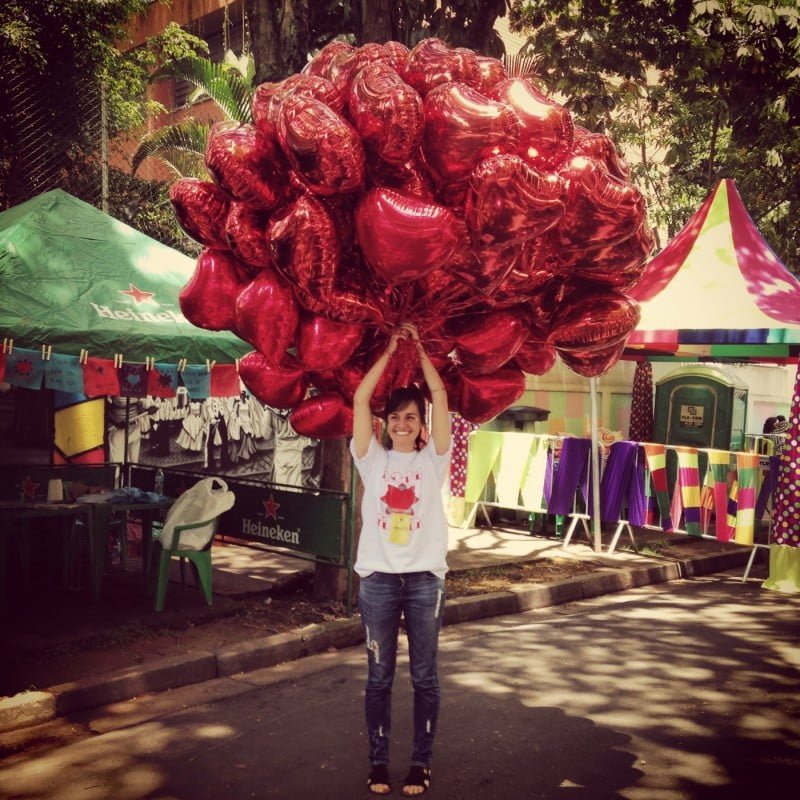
[[685, 690]]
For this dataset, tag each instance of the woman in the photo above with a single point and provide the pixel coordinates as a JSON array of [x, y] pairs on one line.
[[402, 555]]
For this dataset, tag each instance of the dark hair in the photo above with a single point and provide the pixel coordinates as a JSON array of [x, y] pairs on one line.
[[400, 398], [769, 424]]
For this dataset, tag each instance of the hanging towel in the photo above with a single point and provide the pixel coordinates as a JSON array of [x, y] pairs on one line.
[[656, 455], [747, 470], [570, 475], [686, 497]]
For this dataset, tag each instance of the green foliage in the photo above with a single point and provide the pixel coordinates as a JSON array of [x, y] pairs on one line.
[[697, 91]]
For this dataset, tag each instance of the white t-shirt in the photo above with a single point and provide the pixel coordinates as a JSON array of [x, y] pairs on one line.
[[404, 527]]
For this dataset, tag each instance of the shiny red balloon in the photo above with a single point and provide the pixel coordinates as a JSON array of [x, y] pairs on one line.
[[535, 358], [404, 238], [267, 315], [547, 130], [345, 68], [411, 178], [594, 362], [246, 234], [209, 298], [324, 344], [200, 208], [324, 416], [593, 317], [398, 53], [483, 397], [247, 166], [492, 72], [283, 386], [601, 210], [305, 247], [432, 62], [322, 147], [386, 112], [508, 201], [598, 147], [463, 128], [487, 341], [268, 97], [320, 64]]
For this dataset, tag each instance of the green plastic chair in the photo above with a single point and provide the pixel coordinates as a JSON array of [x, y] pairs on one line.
[[200, 558]]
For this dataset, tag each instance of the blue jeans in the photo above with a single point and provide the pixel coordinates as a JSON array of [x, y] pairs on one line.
[[382, 598]]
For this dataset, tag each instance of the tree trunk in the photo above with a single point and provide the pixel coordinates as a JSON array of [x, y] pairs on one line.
[[278, 37], [330, 583], [374, 23]]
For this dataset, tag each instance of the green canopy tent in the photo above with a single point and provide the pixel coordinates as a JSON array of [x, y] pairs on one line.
[[75, 278]]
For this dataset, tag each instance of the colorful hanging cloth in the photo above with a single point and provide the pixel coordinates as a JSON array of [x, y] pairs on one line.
[[64, 374], [768, 486], [656, 455], [615, 486], [162, 380], [536, 474], [641, 423], [24, 368], [718, 469], [686, 496], [786, 517], [133, 380], [225, 381], [460, 430], [100, 377], [571, 474], [197, 380], [483, 452], [747, 472]]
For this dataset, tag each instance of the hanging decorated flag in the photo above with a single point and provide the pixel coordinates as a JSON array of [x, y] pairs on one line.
[[24, 368], [132, 380], [162, 380], [100, 377], [64, 374], [225, 381], [197, 380]]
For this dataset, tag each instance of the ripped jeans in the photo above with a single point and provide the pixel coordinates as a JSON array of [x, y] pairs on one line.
[[382, 597]]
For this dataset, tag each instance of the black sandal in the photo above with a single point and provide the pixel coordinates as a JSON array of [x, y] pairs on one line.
[[418, 777], [379, 776]]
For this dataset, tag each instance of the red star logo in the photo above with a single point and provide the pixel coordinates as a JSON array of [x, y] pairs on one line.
[[271, 507], [29, 487], [137, 294]]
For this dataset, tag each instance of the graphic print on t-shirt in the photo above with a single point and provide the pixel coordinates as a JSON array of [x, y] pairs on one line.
[[399, 515]]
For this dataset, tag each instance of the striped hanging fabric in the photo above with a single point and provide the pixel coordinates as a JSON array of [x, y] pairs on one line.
[[747, 469], [733, 503], [718, 469], [686, 497], [656, 455]]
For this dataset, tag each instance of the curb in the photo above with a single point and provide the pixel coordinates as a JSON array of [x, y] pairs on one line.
[[34, 708]]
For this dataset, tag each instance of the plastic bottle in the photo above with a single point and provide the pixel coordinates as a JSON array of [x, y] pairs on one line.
[[159, 485]]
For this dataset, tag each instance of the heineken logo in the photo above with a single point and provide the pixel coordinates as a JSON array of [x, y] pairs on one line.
[[138, 295], [138, 316], [271, 533]]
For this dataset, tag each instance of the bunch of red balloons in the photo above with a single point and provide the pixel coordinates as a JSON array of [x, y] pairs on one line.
[[382, 186]]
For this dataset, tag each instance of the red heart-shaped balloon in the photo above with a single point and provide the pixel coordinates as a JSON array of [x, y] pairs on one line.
[[463, 128], [483, 397], [322, 147], [344, 68], [209, 298], [431, 62], [200, 208], [324, 416], [593, 362], [246, 234], [535, 357], [283, 386], [487, 341], [598, 147], [323, 344], [305, 246], [248, 166], [267, 315], [398, 53], [402, 237], [492, 72], [547, 130], [592, 317], [268, 97], [320, 64], [508, 201], [386, 112]]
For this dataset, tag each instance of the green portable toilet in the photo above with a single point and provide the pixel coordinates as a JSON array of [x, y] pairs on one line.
[[701, 406]]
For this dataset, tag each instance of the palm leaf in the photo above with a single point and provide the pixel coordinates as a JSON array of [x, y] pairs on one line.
[[182, 147], [224, 85]]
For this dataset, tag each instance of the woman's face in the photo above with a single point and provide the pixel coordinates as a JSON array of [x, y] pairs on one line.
[[403, 425]]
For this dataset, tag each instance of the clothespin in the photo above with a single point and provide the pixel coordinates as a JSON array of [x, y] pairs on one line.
[[236, 364], [149, 362], [47, 352], [83, 358], [8, 346], [117, 360], [210, 364], [181, 364]]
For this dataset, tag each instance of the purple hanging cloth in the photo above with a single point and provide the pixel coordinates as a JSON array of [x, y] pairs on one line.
[[571, 474], [616, 483]]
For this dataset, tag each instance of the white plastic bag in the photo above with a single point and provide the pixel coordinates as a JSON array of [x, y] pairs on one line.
[[206, 500]]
